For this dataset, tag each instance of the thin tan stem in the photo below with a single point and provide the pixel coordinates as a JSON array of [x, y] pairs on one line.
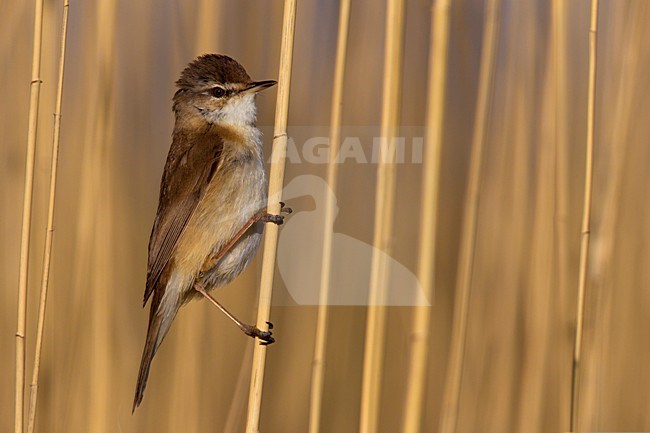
[[276, 179], [384, 204], [586, 216], [561, 181], [318, 364], [605, 275], [428, 215], [451, 397], [21, 321], [49, 233], [101, 201]]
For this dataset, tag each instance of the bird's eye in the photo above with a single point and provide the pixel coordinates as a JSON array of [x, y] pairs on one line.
[[218, 92]]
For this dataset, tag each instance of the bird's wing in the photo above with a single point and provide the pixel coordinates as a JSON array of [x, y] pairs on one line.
[[191, 165]]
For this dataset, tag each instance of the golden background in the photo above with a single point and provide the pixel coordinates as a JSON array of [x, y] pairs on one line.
[[122, 60]]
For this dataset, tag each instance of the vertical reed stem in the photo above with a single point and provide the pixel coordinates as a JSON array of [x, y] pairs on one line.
[[21, 321], [318, 364], [586, 216], [560, 225], [384, 205], [451, 397], [49, 233], [429, 214], [276, 179]]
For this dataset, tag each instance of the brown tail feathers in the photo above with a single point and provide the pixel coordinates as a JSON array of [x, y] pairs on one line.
[[158, 328]]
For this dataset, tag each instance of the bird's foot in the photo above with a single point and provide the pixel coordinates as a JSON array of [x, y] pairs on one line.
[[265, 336], [265, 217], [275, 219]]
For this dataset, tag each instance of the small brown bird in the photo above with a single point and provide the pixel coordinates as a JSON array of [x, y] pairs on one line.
[[211, 209]]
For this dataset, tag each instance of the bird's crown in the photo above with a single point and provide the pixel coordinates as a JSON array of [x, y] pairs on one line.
[[212, 68]]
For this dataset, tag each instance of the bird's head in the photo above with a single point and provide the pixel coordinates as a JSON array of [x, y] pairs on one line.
[[217, 88]]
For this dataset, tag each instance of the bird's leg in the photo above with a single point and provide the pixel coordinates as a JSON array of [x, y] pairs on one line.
[[250, 330], [262, 216]]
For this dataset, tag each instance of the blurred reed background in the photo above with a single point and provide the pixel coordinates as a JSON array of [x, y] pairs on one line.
[[122, 60]]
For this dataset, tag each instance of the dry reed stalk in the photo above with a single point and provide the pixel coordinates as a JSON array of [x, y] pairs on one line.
[[559, 26], [428, 215], [618, 168], [451, 396], [384, 203], [561, 178], [540, 293], [49, 233], [276, 179], [318, 363], [82, 365], [586, 215], [101, 211], [21, 321], [206, 30], [83, 257]]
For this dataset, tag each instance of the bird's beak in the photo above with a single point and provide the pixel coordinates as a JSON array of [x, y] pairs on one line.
[[258, 86]]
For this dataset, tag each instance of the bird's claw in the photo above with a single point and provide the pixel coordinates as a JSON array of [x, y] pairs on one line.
[[265, 336], [284, 209], [266, 217], [266, 343], [275, 219]]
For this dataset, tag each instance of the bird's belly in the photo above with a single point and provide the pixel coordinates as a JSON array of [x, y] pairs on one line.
[[231, 199], [235, 260]]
